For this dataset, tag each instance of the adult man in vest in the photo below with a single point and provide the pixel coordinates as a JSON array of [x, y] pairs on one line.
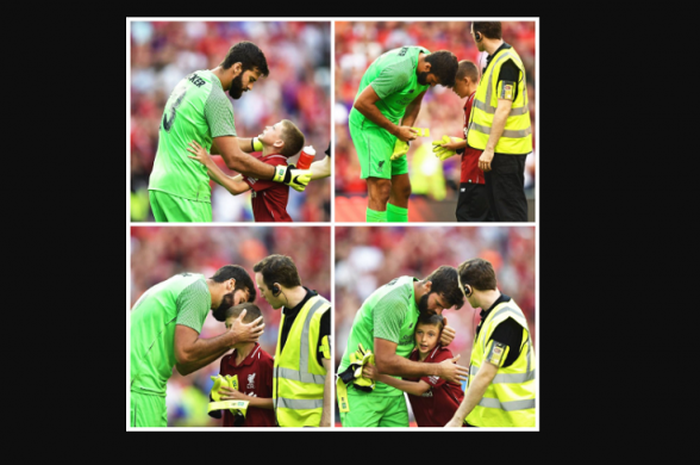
[[500, 124], [165, 325], [385, 325], [301, 388], [198, 109], [385, 109], [501, 387]]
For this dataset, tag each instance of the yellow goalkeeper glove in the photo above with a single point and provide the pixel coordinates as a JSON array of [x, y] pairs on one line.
[[294, 178], [257, 145], [444, 153]]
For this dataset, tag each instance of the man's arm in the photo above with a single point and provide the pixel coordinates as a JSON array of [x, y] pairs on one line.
[[412, 110], [388, 362], [239, 161], [366, 104], [327, 409], [193, 352], [499, 123], [474, 393]]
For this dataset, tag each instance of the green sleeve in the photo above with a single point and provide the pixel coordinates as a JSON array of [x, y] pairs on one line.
[[392, 79], [388, 315], [219, 114], [193, 304]]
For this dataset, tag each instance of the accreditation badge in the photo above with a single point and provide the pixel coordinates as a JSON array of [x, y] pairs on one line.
[[497, 352], [507, 90]]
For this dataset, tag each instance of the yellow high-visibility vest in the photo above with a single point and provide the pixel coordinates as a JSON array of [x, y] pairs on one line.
[[510, 398], [299, 379], [517, 134]]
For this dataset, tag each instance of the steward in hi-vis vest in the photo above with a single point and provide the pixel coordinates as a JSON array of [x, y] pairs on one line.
[[298, 378], [510, 398], [517, 134]]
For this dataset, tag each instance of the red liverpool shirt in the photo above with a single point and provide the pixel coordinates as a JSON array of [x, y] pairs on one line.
[[470, 158], [269, 198], [437, 406], [255, 380]]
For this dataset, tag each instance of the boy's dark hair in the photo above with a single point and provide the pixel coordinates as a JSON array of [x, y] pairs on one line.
[[252, 312], [278, 269], [467, 68], [444, 282], [293, 139], [431, 319], [443, 64], [490, 29], [478, 273], [243, 279], [249, 55]]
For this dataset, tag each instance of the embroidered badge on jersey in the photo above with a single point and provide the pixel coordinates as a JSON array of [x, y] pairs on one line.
[[506, 90]]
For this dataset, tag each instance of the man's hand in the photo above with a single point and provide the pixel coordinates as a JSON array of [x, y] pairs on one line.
[[246, 332], [406, 133], [369, 371], [485, 160], [294, 178], [451, 372], [448, 334]]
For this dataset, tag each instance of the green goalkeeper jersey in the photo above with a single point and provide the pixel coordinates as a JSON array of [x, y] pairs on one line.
[[183, 299], [393, 77], [197, 109], [388, 313]]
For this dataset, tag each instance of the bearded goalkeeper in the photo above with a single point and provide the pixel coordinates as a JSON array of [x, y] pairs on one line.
[[198, 110]]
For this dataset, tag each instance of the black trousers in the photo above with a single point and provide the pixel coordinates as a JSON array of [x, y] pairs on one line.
[[473, 204], [505, 187]]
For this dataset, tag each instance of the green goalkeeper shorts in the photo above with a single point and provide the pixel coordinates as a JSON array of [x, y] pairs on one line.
[[370, 410], [147, 410], [173, 209], [374, 147]]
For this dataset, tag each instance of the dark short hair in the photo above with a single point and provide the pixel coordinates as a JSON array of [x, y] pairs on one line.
[[478, 273], [431, 319], [467, 68], [443, 64], [444, 282], [278, 269], [252, 312], [243, 279], [490, 29], [293, 139], [249, 55]]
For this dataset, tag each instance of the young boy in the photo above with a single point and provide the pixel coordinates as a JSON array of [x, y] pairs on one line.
[[279, 142], [472, 204], [253, 366], [433, 400]]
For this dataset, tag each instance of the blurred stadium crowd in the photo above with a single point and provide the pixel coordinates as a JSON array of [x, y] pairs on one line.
[[158, 253], [357, 44], [367, 258], [298, 89]]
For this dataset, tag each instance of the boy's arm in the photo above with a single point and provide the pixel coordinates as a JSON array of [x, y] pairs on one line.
[[321, 169], [231, 394], [235, 185], [416, 388]]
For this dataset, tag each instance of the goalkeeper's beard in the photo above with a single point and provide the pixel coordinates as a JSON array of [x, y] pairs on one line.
[[236, 89], [226, 303], [423, 306]]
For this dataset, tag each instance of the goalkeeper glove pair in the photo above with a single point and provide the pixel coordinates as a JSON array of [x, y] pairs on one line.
[[444, 153]]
